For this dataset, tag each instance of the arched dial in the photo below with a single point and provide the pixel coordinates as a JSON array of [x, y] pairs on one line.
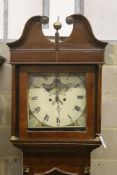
[[57, 100]]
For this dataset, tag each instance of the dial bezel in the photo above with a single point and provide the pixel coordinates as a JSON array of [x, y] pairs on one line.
[[45, 86]]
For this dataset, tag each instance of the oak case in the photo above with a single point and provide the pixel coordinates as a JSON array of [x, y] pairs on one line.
[[56, 150]]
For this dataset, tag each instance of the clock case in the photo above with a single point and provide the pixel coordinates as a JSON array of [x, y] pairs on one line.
[[63, 151]]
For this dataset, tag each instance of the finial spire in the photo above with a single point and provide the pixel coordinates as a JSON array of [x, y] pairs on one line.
[[57, 25]]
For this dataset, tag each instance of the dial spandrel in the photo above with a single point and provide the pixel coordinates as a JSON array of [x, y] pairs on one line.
[[57, 100]]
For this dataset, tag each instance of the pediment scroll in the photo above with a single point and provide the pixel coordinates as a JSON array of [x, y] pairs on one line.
[[82, 36]]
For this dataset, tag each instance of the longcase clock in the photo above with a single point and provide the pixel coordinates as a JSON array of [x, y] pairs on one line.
[[56, 98]]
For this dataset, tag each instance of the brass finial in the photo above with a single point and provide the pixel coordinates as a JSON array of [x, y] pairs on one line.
[[57, 25]]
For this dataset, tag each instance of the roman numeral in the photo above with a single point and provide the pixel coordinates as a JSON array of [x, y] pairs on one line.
[[80, 96], [77, 108], [35, 98], [37, 109], [46, 118], [58, 121], [69, 117]]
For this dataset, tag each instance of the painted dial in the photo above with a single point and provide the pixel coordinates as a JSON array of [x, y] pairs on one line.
[[59, 100]]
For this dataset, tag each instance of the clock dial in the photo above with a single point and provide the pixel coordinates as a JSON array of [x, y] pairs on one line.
[[59, 100]]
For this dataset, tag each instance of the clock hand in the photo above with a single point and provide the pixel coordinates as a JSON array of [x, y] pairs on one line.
[[59, 101], [57, 83]]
